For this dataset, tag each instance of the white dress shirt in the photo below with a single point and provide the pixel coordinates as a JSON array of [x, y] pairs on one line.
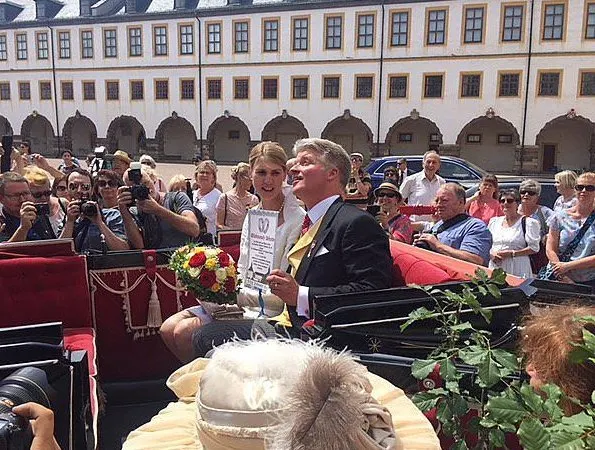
[[316, 213], [419, 190]]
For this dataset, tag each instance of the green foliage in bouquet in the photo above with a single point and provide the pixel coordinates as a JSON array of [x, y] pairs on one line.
[[208, 272]]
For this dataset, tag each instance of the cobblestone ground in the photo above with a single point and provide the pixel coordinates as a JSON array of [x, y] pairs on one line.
[[167, 170]]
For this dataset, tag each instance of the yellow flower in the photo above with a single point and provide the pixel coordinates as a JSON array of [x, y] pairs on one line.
[[231, 270], [186, 264], [211, 263], [194, 272], [221, 274], [211, 252], [216, 287]]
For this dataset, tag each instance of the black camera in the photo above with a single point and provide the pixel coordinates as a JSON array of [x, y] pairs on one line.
[[29, 384], [42, 209], [422, 244], [88, 209], [138, 190]]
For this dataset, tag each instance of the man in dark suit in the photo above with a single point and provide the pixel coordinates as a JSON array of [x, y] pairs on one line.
[[342, 249]]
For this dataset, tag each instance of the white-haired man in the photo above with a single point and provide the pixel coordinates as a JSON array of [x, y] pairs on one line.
[[342, 249], [421, 188]]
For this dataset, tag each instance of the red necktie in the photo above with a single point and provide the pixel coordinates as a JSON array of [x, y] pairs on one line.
[[306, 224]]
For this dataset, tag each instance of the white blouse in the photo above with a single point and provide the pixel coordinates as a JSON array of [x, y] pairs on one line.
[[512, 238]]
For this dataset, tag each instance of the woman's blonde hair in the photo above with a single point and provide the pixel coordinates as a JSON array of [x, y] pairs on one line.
[[566, 178], [547, 341], [241, 167], [175, 182], [588, 175], [270, 151], [208, 165], [36, 176]]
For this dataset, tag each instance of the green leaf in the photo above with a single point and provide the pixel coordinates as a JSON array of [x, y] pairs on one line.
[[452, 386], [496, 438], [421, 368], [418, 314], [459, 406], [565, 440], [505, 359], [533, 435], [532, 399], [473, 354], [593, 397], [425, 400], [550, 405], [444, 412], [488, 372], [503, 409], [581, 420], [486, 422], [589, 339], [493, 290], [448, 370], [462, 327], [460, 445]]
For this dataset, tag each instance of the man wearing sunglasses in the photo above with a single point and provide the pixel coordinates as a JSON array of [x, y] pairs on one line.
[[91, 227], [19, 216], [39, 184]]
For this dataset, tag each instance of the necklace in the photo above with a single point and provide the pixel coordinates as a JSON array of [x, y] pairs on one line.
[[278, 210]]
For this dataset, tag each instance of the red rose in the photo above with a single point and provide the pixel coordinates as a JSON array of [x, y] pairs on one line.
[[224, 259], [197, 260], [230, 285], [207, 278]]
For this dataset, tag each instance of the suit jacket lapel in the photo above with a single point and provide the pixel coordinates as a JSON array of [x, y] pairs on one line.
[[318, 240]]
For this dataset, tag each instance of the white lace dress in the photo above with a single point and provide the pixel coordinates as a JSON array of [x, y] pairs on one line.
[[511, 238]]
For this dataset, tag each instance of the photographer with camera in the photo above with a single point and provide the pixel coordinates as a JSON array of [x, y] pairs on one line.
[[91, 227], [457, 234], [166, 220], [42, 423], [22, 219]]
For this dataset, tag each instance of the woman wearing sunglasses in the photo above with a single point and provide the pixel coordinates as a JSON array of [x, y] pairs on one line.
[[39, 184], [397, 225], [60, 188], [571, 239], [106, 187], [514, 237]]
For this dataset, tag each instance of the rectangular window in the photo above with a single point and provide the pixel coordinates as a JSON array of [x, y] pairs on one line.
[[21, 46], [112, 90], [240, 37], [553, 22], [187, 90], [87, 44], [474, 25], [363, 87], [505, 139], [271, 35], [3, 48], [45, 90], [405, 137], [42, 46], [509, 85], [365, 30], [4, 91], [470, 85], [67, 90], [160, 41], [214, 89], [300, 88], [214, 32], [64, 40], [186, 40], [436, 27], [334, 32], [269, 88], [332, 87], [590, 25], [135, 41], [400, 29], [588, 84], [549, 84], [512, 26], [110, 44], [300, 34], [433, 86], [88, 90], [474, 138], [161, 90], [398, 87], [25, 90], [241, 89], [137, 90]]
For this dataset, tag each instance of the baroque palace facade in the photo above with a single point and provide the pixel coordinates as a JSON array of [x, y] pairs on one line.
[[509, 85]]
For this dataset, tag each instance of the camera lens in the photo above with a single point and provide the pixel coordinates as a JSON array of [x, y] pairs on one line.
[[29, 384], [89, 209]]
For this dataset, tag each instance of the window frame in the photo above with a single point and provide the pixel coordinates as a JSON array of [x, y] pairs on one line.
[[501, 73], [161, 41], [358, 76], [24, 50], [70, 83], [39, 48], [544, 7], [219, 43], [20, 85], [293, 34], [5, 94], [41, 90], [390, 76], [328, 17], [66, 50], [84, 85], [156, 84], [503, 9], [462, 76], [244, 33], [84, 40], [104, 32], [541, 72], [427, 26], [323, 86], [357, 33], [391, 16], [483, 7], [263, 80], [586, 24], [208, 80], [265, 21], [181, 37], [107, 90], [235, 81], [185, 80], [426, 75], [136, 46], [3, 47], [131, 84], [293, 86], [581, 74]]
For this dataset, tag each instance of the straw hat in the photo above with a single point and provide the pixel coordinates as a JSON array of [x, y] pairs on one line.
[[119, 154], [387, 187]]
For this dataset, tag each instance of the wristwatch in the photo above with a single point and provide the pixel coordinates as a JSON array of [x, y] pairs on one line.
[[513, 253]]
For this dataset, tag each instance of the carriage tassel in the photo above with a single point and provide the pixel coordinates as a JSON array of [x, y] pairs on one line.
[[154, 319]]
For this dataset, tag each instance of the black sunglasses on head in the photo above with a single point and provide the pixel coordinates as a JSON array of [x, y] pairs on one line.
[[531, 193], [584, 187], [104, 183], [386, 194], [507, 200]]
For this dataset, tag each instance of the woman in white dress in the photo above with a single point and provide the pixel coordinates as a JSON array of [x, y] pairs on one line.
[[207, 194], [514, 237], [267, 164]]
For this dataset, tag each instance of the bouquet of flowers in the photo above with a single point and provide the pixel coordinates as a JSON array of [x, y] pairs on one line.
[[208, 272]]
